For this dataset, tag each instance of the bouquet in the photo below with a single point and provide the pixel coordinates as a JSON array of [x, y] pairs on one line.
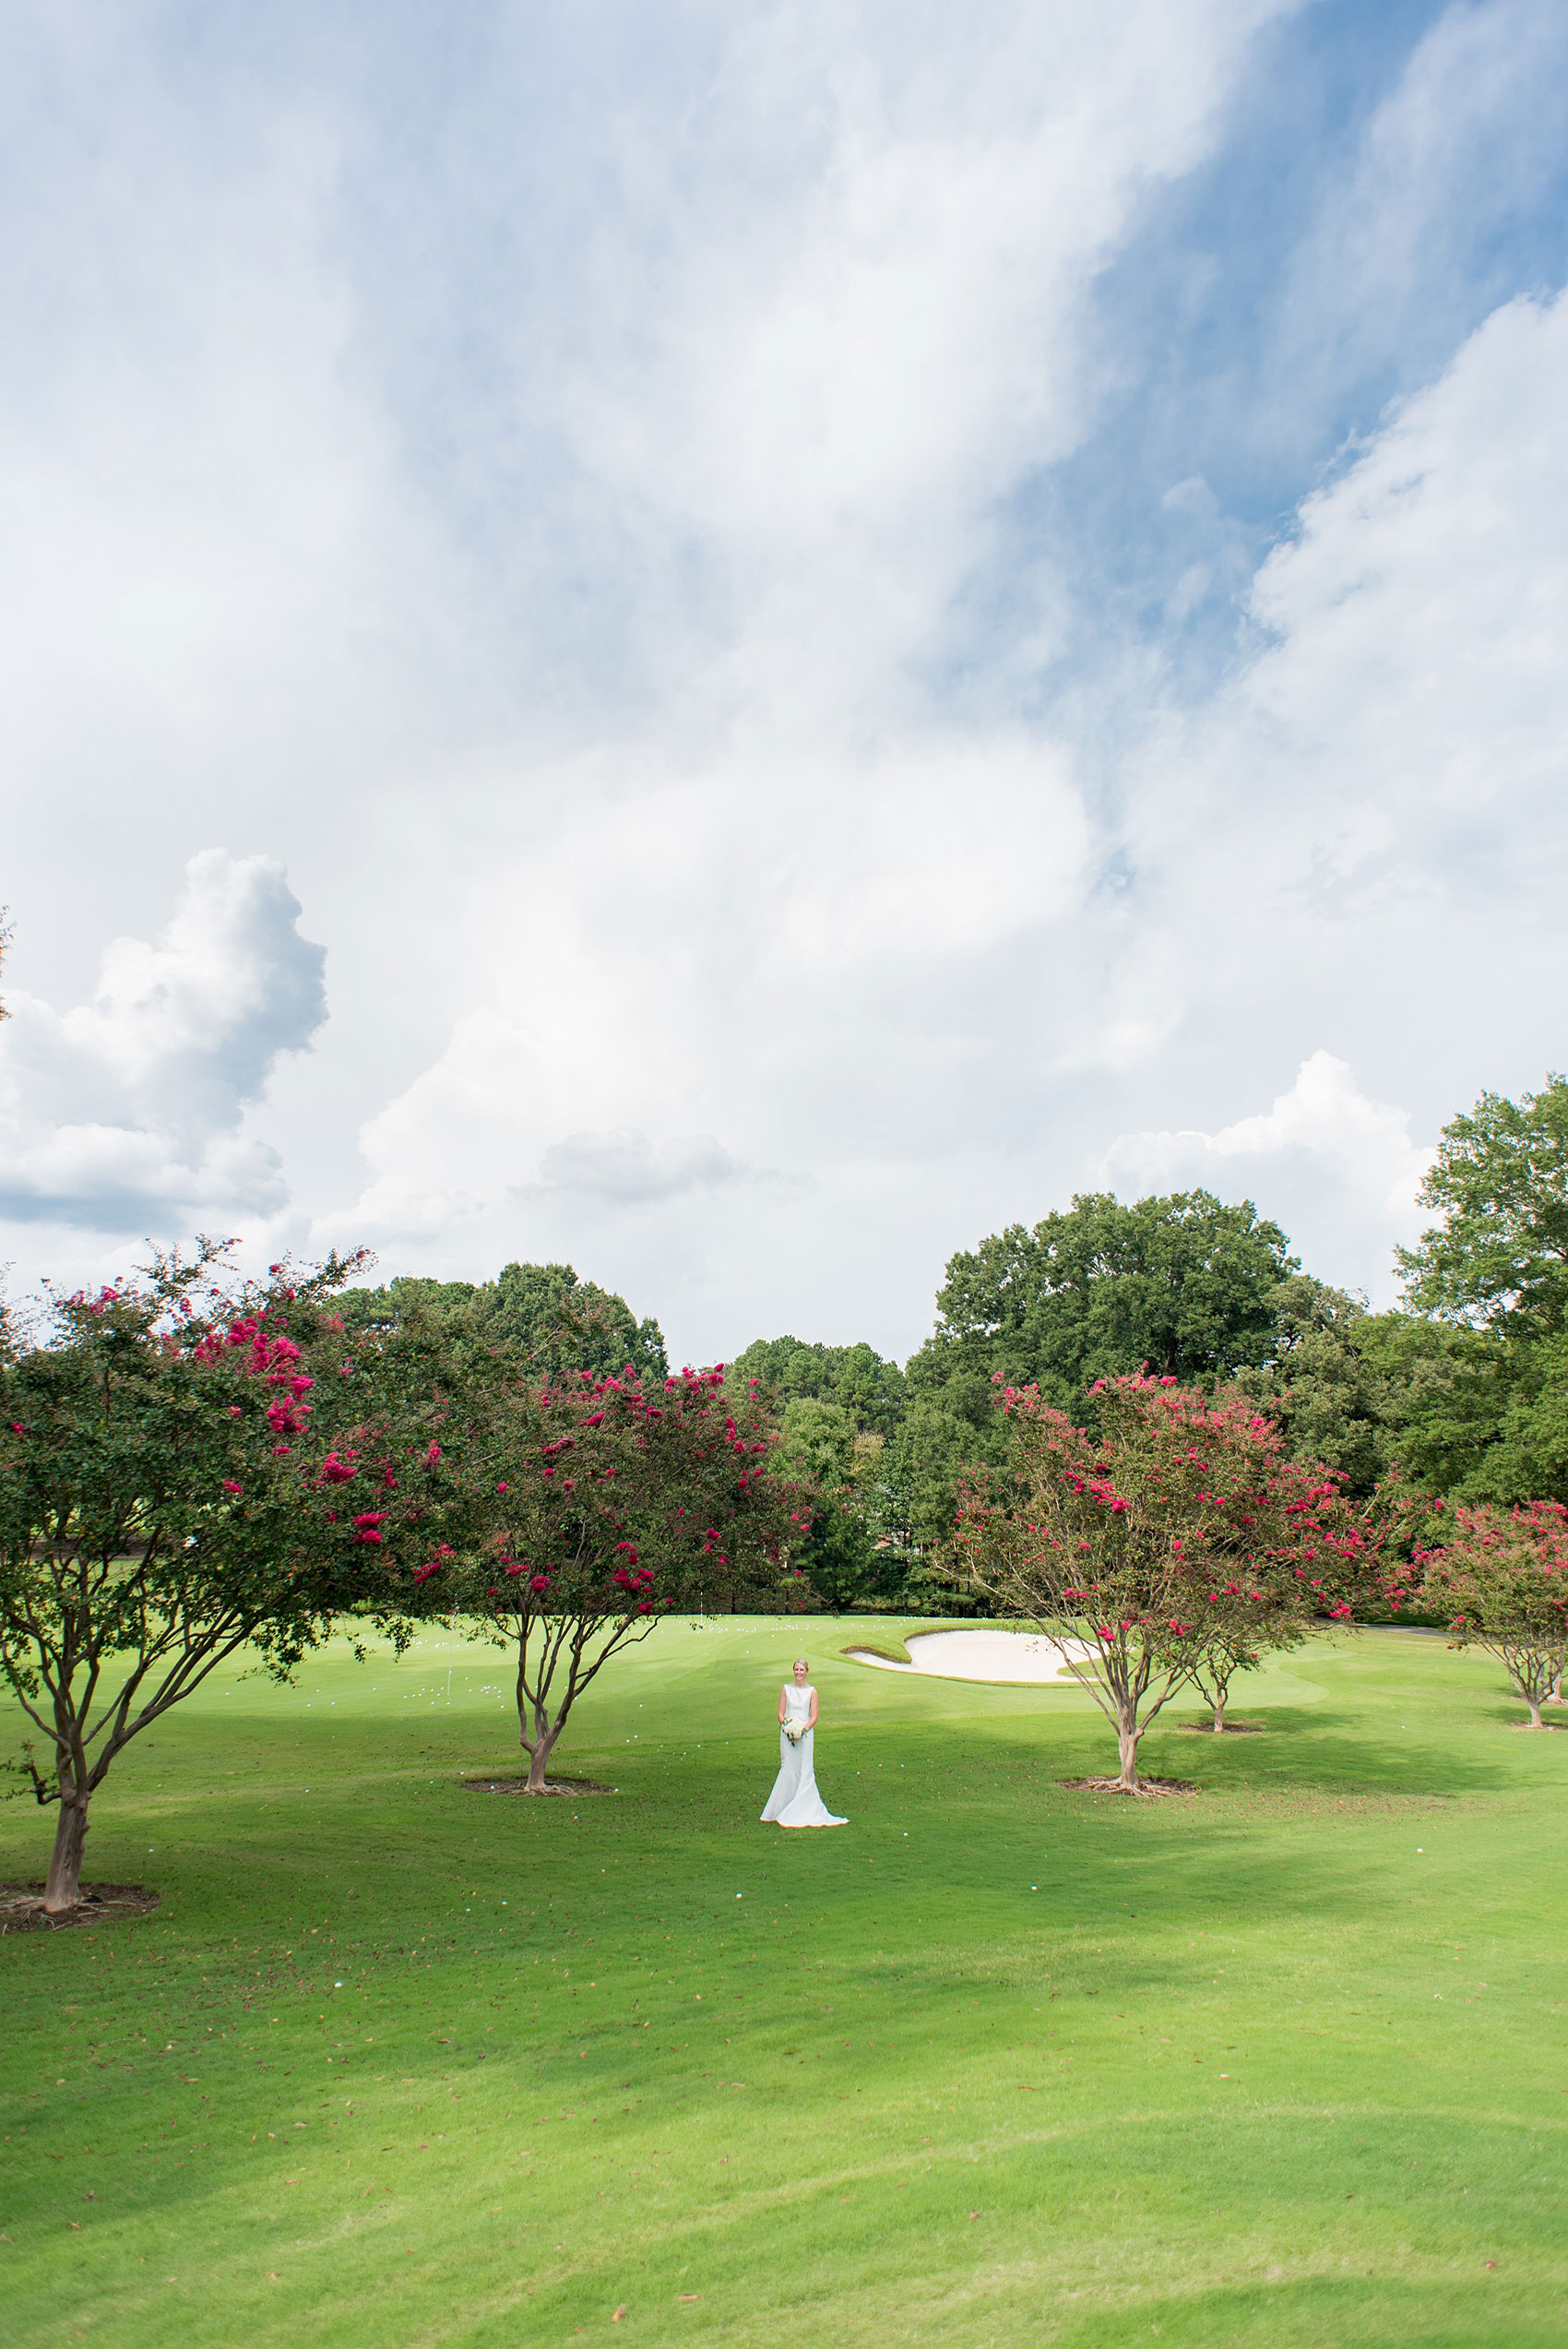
[[795, 1727]]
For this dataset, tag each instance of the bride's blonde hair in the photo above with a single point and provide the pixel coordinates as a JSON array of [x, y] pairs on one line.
[[805, 1660]]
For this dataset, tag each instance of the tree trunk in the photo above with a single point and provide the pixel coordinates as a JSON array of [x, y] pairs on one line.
[[1535, 1720], [63, 1889], [1219, 1714], [538, 1757], [1127, 1739]]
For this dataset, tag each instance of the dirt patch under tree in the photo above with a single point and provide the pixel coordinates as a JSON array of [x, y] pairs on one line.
[[573, 1786], [1152, 1787], [22, 1909]]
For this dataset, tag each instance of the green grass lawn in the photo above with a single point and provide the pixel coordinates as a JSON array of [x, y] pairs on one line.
[[402, 2063]]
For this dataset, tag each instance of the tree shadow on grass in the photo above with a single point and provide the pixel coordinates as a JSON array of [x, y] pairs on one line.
[[1301, 1751], [998, 1852], [1321, 1750]]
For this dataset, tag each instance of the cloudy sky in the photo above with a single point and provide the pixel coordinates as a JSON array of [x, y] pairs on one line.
[[739, 642]]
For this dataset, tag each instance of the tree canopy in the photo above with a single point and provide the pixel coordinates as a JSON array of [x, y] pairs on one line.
[[1500, 1255], [1502, 1580], [855, 1379], [1184, 1285], [1178, 1535], [187, 1466], [540, 1314], [594, 1504]]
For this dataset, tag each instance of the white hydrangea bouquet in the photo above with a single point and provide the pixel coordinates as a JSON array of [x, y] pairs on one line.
[[795, 1727]]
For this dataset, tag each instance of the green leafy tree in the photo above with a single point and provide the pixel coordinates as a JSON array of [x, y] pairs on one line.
[[1332, 1388], [842, 1407], [1474, 1414], [1448, 1388], [921, 1469], [454, 1308], [841, 1558], [838, 1558], [1499, 1257], [544, 1313], [186, 1468], [1478, 1369], [817, 1441], [1184, 1285], [539, 1313], [1480, 1413], [1530, 1459], [857, 1379]]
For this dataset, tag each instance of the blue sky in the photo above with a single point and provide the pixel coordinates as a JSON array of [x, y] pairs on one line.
[[742, 643]]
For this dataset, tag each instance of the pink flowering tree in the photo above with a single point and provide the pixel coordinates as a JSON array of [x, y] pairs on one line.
[[1174, 1542], [1500, 1577], [604, 1504], [190, 1463], [1239, 1647]]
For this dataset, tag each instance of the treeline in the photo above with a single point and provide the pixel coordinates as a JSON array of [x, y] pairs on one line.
[[192, 1462], [1465, 1387], [1462, 1387]]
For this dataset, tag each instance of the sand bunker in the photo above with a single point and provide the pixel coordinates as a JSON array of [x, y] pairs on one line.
[[1018, 1656]]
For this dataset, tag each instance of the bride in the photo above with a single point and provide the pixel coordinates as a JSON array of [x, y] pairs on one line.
[[794, 1801]]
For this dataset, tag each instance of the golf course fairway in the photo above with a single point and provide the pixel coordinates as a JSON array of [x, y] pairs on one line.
[[400, 2061]]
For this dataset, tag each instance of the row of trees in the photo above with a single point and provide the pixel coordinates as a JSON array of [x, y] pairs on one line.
[[1465, 1387], [1096, 1386], [191, 1464], [1142, 1427], [1180, 1539]]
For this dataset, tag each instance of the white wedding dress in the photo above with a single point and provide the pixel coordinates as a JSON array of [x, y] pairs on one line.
[[794, 1801]]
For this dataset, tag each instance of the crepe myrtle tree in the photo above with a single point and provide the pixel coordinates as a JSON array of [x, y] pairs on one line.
[[1500, 1577], [603, 1505], [1238, 1648], [190, 1463], [1179, 1536]]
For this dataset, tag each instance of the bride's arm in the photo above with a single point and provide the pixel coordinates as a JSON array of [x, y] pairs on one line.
[[811, 1717], [783, 1709]]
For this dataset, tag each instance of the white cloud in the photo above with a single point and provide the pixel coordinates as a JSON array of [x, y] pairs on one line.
[[1323, 1114], [565, 511], [781, 918], [627, 1167], [1340, 1170], [1364, 828], [127, 1110], [772, 957], [1419, 615], [665, 399], [856, 312]]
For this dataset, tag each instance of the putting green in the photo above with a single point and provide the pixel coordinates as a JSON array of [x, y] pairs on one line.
[[402, 2063]]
